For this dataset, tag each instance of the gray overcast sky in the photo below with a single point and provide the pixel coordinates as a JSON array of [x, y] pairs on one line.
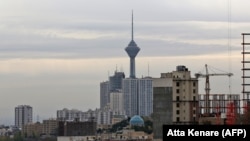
[[55, 53]]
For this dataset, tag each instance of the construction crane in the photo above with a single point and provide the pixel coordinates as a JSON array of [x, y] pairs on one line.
[[207, 86]]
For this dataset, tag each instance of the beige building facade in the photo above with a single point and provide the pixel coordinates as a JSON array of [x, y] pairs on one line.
[[50, 127], [185, 97], [32, 129], [175, 99]]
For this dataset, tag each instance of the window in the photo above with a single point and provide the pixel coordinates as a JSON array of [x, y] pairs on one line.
[[177, 112], [194, 84], [177, 104], [194, 98], [177, 91], [177, 98], [177, 119], [194, 91], [177, 84]]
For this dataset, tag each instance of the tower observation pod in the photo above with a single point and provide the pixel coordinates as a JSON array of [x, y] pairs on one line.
[[132, 49]]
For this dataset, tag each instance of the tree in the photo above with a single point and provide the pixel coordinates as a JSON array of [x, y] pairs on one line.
[[118, 126], [18, 137], [147, 128]]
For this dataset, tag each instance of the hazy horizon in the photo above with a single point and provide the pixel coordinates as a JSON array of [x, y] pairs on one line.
[[54, 54]]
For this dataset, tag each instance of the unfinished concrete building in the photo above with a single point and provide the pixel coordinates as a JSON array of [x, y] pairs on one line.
[[223, 108]]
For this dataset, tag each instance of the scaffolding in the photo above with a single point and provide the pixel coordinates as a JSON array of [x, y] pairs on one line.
[[246, 69], [246, 75], [219, 103], [225, 107]]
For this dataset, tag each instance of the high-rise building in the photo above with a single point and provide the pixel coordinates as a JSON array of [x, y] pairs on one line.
[[130, 96], [104, 94], [138, 96], [162, 103], [115, 81], [145, 96], [175, 99], [185, 97], [23, 115], [113, 85]]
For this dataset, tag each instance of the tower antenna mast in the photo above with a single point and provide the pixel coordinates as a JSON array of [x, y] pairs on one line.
[[132, 26]]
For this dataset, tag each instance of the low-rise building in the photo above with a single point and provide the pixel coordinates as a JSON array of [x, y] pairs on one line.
[[50, 127], [77, 128], [32, 129]]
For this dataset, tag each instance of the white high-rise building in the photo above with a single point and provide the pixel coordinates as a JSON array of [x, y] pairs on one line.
[[138, 96], [23, 115], [116, 102], [145, 95], [130, 97]]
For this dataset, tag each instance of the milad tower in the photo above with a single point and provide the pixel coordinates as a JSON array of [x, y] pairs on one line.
[[137, 92], [132, 49]]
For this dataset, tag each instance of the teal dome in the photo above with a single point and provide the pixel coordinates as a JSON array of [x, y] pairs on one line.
[[136, 120]]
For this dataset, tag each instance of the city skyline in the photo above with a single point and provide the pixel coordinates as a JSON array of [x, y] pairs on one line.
[[54, 54]]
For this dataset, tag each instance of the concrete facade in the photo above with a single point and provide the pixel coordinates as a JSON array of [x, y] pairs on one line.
[[162, 104], [175, 99], [185, 97]]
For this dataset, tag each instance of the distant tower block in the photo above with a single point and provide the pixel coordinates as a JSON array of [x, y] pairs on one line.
[[132, 49]]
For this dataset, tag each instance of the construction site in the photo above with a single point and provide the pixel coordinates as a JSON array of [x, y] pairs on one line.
[[227, 109]]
